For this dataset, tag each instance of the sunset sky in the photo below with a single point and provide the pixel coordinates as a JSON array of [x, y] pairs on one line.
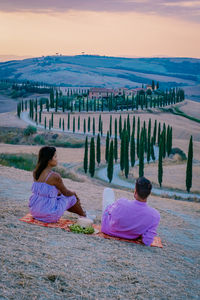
[[106, 27]]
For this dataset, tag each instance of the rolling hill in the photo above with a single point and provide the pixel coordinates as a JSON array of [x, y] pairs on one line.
[[104, 71]]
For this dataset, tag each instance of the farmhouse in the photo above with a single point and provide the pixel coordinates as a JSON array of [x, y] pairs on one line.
[[99, 93]]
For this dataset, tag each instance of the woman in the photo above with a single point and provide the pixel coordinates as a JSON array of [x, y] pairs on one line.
[[50, 197]]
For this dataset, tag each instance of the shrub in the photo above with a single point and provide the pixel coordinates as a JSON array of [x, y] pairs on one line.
[[66, 144], [39, 139], [180, 152], [30, 130], [20, 161]]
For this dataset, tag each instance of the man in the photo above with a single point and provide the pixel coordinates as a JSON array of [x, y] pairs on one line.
[[131, 219]]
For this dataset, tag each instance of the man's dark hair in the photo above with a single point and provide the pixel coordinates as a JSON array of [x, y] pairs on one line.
[[143, 187]]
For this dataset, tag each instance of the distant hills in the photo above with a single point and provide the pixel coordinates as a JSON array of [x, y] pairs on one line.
[[104, 71]]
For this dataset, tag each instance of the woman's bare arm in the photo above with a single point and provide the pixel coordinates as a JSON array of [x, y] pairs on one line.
[[56, 180]]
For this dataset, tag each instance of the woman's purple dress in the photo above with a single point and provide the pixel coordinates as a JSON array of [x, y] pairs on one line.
[[45, 204]]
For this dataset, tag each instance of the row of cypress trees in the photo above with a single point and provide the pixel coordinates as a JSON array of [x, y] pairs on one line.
[[141, 100], [128, 150], [111, 155]]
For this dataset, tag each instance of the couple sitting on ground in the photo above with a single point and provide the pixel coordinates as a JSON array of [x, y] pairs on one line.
[[130, 219]]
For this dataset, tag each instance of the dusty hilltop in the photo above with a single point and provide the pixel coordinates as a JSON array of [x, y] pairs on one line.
[[50, 263]]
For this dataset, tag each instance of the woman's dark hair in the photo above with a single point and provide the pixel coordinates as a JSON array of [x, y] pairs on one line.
[[46, 153], [143, 187]]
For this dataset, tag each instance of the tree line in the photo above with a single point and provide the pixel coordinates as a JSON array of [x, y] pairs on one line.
[[75, 102], [139, 145]]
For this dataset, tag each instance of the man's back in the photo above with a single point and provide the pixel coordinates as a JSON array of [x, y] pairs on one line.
[[131, 219]]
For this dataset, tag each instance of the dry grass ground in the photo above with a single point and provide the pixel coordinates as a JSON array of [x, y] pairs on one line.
[[190, 108], [10, 119], [49, 263]]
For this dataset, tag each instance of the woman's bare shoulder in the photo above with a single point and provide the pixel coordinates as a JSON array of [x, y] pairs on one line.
[[55, 176]]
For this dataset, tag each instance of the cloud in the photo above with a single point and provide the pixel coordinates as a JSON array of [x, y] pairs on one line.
[[188, 10]]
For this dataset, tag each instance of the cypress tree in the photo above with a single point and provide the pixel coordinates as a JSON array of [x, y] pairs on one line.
[[141, 154], [125, 128], [159, 128], [115, 149], [160, 167], [47, 105], [92, 158], [93, 126], [52, 120], [87, 104], [152, 149], [40, 116], [84, 126], [138, 137], [19, 110], [126, 154], [88, 124], [45, 122], [155, 132], [56, 108], [60, 123], [49, 124], [132, 103], [132, 149], [153, 85], [164, 140], [110, 125], [99, 127], [63, 124], [95, 105], [170, 141], [115, 127], [128, 127], [74, 124], [102, 107], [68, 122], [145, 136], [149, 142], [41, 104], [122, 152], [79, 105], [133, 127], [78, 123], [189, 166], [120, 126], [85, 161], [98, 149], [107, 147], [63, 105], [110, 163]]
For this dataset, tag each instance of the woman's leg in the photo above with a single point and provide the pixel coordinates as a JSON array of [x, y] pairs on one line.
[[108, 198], [77, 209]]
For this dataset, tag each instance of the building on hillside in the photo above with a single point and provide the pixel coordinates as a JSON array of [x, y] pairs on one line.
[[123, 92], [149, 87], [137, 90], [99, 93]]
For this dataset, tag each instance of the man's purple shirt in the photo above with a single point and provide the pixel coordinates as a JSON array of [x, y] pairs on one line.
[[130, 219]]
